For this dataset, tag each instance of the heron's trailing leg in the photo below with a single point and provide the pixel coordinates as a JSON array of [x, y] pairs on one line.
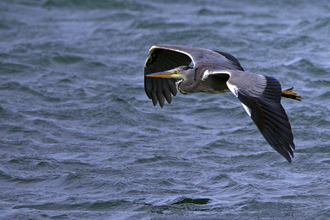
[[289, 94]]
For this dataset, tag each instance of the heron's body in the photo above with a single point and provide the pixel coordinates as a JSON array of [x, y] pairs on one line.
[[169, 68]]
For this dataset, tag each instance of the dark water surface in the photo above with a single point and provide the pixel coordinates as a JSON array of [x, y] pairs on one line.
[[80, 139]]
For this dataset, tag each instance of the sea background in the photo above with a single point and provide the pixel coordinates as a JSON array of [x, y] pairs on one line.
[[79, 139]]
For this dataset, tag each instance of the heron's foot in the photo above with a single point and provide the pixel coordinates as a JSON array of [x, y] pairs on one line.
[[289, 94]]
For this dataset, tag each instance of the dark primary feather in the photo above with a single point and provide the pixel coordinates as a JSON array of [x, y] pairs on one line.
[[160, 60], [270, 117]]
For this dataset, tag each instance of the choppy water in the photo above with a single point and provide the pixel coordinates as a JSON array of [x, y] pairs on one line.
[[80, 139]]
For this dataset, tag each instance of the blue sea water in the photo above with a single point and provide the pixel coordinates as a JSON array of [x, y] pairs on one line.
[[79, 139]]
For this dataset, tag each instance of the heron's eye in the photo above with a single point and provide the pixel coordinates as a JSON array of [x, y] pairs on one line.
[[175, 71]]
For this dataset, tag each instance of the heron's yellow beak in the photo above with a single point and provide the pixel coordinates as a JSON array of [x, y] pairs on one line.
[[167, 74], [162, 75]]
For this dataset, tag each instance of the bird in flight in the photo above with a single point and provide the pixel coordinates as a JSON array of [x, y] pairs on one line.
[[172, 68]]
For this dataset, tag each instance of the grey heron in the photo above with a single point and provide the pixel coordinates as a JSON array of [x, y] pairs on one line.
[[172, 68]]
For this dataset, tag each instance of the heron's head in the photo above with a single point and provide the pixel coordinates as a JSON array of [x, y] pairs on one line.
[[180, 72]]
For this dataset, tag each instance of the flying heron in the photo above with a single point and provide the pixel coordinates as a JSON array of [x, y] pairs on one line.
[[172, 68]]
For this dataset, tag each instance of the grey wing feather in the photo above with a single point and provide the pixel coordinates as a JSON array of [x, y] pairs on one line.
[[201, 55], [166, 57], [233, 60], [263, 98]]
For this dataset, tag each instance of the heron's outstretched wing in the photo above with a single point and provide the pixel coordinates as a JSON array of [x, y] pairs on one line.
[[166, 57], [161, 59], [261, 97]]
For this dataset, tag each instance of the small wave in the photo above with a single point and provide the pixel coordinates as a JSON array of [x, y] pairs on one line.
[[100, 4], [181, 205], [2, 112], [106, 205], [198, 201], [4, 176], [92, 206], [67, 59], [16, 86], [149, 160], [185, 200], [325, 95], [14, 67], [158, 24], [22, 90], [306, 66], [206, 12], [8, 24], [319, 26]]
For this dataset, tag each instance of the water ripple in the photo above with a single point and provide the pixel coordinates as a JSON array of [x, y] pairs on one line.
[[80, 139]]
